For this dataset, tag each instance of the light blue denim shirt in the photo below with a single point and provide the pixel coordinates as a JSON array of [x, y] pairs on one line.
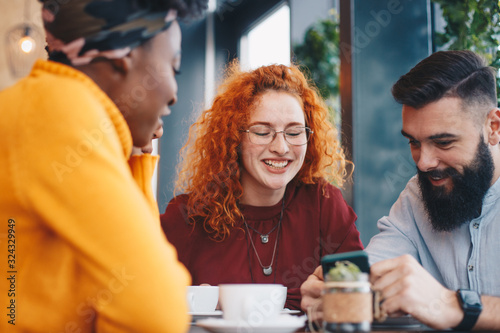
[[467, 257]]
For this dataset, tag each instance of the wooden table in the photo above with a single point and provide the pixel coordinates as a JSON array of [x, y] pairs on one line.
[[375, 328], [196, 329]]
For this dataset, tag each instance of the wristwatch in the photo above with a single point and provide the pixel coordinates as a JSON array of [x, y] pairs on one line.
[[470, 301]]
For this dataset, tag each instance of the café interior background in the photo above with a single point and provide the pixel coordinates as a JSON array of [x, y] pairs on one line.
[[380, 40]]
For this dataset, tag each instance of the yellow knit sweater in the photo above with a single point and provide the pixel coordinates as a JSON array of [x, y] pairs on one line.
[[82, 248]]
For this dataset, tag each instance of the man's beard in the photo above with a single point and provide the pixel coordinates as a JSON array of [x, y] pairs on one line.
[[464, 201]]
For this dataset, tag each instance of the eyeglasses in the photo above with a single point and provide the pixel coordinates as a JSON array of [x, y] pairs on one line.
[[263, 135]]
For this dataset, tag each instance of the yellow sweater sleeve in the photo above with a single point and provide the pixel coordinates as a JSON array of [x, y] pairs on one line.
[[91, 253]]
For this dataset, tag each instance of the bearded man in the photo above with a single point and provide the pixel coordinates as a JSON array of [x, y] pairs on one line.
[[435, 255]]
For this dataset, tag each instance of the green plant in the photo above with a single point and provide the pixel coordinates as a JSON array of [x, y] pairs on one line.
[[472, 25], [319, 53], [344, 271]]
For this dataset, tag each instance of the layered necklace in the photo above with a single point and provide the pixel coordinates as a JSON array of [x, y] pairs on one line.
[[267, 270], [264, 238]]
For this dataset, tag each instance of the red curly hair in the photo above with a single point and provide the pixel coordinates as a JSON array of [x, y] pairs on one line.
[[209, 170]]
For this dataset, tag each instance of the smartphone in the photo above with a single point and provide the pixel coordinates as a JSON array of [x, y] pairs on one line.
[[359, 258]]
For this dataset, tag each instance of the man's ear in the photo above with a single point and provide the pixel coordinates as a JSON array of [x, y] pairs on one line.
[[493, 127]]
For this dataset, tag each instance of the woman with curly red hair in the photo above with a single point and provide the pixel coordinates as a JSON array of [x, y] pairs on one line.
[[257, 170]]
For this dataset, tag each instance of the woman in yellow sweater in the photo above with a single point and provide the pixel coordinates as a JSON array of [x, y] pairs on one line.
[[83, 250]]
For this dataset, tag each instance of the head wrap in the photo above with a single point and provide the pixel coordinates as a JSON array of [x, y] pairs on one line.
[[78, 31]]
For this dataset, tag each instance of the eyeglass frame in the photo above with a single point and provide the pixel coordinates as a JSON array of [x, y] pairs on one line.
[[308, 130]]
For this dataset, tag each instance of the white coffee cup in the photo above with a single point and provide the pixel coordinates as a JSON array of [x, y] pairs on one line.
[[202, 299], [252, 304]]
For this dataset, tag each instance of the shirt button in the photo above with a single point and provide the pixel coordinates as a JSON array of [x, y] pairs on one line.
[[470, 268], [476, 225]]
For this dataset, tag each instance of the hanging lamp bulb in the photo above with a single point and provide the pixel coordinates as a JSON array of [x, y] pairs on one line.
[[23, 45], [27, 44]]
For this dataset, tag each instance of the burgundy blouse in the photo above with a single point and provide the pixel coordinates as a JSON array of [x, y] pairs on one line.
[[313, 225]]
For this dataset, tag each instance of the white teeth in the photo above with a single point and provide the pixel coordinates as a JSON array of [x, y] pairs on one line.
[[277, 165]]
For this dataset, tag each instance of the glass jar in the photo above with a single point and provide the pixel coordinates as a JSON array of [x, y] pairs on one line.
[[348, 305]]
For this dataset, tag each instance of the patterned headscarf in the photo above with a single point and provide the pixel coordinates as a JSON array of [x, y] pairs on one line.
[[78, 31]]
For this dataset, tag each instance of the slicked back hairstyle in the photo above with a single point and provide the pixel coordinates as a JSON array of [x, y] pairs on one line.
[[462, 74], [210, 166]]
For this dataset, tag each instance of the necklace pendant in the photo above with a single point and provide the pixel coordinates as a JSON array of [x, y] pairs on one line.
[[264, 239], [267, 270]]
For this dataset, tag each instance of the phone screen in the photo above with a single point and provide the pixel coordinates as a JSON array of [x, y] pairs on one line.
[[359, 258]]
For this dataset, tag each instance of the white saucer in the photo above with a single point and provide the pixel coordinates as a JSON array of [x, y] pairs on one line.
[[290, 311], [216, 313], [204, 315], [283, 324]]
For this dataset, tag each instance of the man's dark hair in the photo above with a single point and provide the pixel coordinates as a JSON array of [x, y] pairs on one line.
[[462, 74]]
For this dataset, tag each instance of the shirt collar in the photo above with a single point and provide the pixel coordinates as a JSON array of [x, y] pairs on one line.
[[493, 193]]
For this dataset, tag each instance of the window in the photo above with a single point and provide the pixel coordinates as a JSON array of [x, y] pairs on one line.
[[268, 41]]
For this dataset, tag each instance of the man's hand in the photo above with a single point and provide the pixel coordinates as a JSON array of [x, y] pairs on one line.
[[311, 291], [407, 288]]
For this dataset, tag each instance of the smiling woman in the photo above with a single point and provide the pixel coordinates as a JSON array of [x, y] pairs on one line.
[[258, 206], [268, 166]]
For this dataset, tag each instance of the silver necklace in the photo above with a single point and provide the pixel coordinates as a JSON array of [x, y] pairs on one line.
[[267, 270], [264, 238]]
